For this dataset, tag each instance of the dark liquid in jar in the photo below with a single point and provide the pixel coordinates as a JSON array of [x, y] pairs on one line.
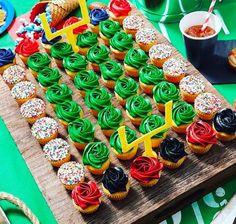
[[195, 31]]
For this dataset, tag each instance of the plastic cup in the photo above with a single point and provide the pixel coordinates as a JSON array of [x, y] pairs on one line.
[[199, 49]]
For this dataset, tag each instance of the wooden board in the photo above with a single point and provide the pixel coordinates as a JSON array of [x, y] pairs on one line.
[[175, 188]]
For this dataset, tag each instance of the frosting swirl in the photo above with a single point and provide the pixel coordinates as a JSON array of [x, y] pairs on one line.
[[81, 130], [183, 113], [98, 54], [111, 70], [126, 87], [115, 180], [73, 20], [58, 93], [122, 41], [201, 133], [6, 56], [86, 194], [87, 39], [225, 121], [53, 41], [38, 61], [138, 106], [27, 47], [110, 118], [109, 27], [119, 7], [75, 62], [61, 50], [144, 169], [97, 15], [136, 58], [172, 149], [165, 91], [95, 154], [86, 80]]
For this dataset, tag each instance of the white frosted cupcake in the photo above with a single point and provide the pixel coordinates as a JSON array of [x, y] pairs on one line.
[[132, 24]]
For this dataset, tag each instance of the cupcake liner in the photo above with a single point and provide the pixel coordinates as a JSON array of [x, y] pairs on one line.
[[157, 141], [222, 136], [146, 47], [180, 129], [44, 141], [118, 19], [80, 146], [149, 184], [59, 62], [83, 50], [4, 67], [95, 67], [94, 112], [135, 121], [173, 79], [118, 195], [118, 54], [21, 101], [58, 163], [105, 39], [121, 101], [109, 83], [31, 120], [130, 31], [188, 97], [146, 88], [158, 62], [172, 165], [161, 107], [126, 155], [204, 116], [100, 170], [93, 28], [131, 71], [70, 74], [198, 149], [108, 132], [89, 210]]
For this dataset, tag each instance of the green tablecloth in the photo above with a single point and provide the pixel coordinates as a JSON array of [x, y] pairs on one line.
[[17, 179]]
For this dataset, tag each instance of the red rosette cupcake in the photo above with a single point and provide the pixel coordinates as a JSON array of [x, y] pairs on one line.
[[25, 48], [73, 20], [86, 197], [146, 170], [200, 137], [119, 9]]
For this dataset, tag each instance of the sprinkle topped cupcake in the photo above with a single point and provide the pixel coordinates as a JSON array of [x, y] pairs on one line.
[[7, 58], [132, 24], [96, 16]]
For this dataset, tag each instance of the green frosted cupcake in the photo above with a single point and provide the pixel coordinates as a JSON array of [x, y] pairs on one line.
[[48, 77], [81, 132], [149, 76], [151, 123], [125, 88], [116, 144], [68, 111], [120, 44], [97, 55], [74, 63], [97, 99], [96, 157], [183, 115], [108, 29], [134, 60], [163, 92], [109, 119], [111, 71], [38, 61], [86, 81], [137, 108]]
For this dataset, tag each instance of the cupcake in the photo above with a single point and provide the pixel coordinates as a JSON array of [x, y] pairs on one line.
[[74, 63], [87, 197], [59, 51], [163, 93], [200, 137], [47, 44], [57, 152], [44, 130], [97, 99], [23, 91], [190, 87], [96, 157], [120, 44], [174, 70], [96, 16], [224, 123], [111, 71], [7, 59], [134, 60], [97, 55], [13, 75], [33, 109], [116, 144], [146, 38], [115, 183], [172, 153], [108, 29], [131, 24], [137, 108], [58, 93], [149, 76], [81, 132], [70, 174], [86, 40], [207, 105], [146, 170], [159, 54], [38, 61], [73, 19], [68, 111], [86, 81], [109, 119], [125, 88], [151, 123], [119, 9], [48, 77], [183, 115], [25, 48]]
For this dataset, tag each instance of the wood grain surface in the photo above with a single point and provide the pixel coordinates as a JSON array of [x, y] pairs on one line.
[[143, 205]]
